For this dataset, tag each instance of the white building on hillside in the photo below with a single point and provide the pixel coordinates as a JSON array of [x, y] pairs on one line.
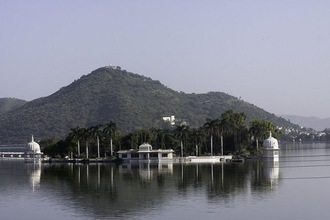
[[170, 119]]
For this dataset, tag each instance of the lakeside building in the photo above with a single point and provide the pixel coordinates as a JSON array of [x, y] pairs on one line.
[[31, 150], [270, 148], [146, 153]]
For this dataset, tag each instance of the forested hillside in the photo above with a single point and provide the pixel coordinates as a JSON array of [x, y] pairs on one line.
[[8, 104], [130, 100]]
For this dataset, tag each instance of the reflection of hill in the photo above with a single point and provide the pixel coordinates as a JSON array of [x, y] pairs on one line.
[[108, 190]]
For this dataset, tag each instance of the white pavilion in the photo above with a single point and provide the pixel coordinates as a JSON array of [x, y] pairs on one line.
[[271, 148], [33, 149], [146, 153]]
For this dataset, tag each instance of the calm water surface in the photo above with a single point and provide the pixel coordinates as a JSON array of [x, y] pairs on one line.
[[296, 187]]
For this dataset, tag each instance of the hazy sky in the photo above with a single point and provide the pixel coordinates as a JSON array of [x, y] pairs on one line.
[[274, 54]]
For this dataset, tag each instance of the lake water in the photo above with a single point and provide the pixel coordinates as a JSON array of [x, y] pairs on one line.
[[296, 187]]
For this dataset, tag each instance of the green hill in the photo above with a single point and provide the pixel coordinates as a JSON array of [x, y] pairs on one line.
[[130, 100], [8, 104]]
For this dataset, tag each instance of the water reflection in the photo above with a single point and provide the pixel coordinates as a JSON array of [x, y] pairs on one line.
[[147, 171], [271, 171], [35, 175], [14, 171], [120, 191], [110, 189]]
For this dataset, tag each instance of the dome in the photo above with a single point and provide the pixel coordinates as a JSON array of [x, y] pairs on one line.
[[34, 147], [270, 143], [145, 147]]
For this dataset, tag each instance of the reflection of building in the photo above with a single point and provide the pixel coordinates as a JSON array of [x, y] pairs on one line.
[[146, 153], [147, 170], [270, 148], [272, 171], [35, 177]]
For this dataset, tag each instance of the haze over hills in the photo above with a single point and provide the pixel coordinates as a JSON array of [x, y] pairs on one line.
[[316, 123], [130, 100]]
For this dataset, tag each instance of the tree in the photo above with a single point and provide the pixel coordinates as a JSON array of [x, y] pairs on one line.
[[76, 134], [182, 132], [259, 129], [86, 136], [197, 136], [234, 126], [110, 131], [96, 131], [143, 136], [212, 128], [159, 137]]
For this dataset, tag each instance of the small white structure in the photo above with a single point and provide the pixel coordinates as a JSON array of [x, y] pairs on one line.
[[114, 67], [170, 119], [270, 148], [33, 147], [146, 153], [208, 159], [33, 151]]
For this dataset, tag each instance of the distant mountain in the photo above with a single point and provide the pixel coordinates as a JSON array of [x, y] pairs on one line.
[[316, 123], [130, 100], [8, 104]]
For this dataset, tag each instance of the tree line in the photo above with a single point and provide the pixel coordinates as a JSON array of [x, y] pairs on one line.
[[229, 134]]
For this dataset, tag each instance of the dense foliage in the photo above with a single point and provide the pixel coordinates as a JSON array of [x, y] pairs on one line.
[[9, 104], [228, 134], [132, 101]]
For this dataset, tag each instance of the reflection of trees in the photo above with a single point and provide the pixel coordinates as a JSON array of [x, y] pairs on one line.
[[116, 191], [218, 180]]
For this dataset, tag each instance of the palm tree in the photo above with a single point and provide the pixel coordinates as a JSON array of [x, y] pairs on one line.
[[110, 131], [182, 132], [86, 136], [212, 128], [76, 133], [96, 131], [259, 128], [159, 137], [197, 136], [143, 136], [234, 125]]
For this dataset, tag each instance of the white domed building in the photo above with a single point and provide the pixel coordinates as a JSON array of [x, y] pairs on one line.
[[271, 148], [146, 153], [33, 149]]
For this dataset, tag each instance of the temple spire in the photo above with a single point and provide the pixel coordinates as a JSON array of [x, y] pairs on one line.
[[32, 139]]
